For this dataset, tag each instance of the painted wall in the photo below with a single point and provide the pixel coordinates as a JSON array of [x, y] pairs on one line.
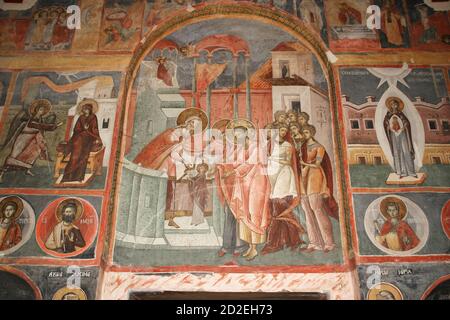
[[120, 206]]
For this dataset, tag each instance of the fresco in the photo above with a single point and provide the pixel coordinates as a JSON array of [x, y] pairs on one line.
[[404, 281], [395, 121], [429, 26], [226, 156], [400, 224], [39, 282], [349, 31], [65, 226], [71, 117], [121, 25], [216, 75], [40, 28], [17, 223]]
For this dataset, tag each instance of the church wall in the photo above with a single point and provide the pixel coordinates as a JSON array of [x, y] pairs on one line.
[[59, 60]]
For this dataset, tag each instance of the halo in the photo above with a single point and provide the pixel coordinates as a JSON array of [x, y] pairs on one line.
[[401, 205], [85, 102], [40, 103], [193, 112], [79, 205], [59, 295], [401, 104], [384, 286], [221, 124], [17, 201], [239, 123]]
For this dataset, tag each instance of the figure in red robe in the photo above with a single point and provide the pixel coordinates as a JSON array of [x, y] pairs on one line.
[[176, 151], [10, 231], [85, 139], [284, 230], [396, 234], [244, 186]]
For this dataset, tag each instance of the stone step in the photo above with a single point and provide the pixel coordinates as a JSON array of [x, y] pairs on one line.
[[198, 240]]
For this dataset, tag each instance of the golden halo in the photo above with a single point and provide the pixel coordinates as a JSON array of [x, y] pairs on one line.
[[85, 102], [17, 201], [239, 123], [384, 287], [221, 125], [193, 112], [38, 103], [401, 205], [76, 202], [59, 295], [401, 104]]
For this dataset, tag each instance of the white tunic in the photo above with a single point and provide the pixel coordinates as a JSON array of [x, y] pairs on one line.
[[281, 174]]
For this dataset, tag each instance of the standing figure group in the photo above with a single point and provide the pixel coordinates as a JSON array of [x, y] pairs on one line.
[[259, 197], [312, 172]]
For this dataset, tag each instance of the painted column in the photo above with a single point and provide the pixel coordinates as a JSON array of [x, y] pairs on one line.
[[235, 93], [208, 95], [248, 89], [194, 83]]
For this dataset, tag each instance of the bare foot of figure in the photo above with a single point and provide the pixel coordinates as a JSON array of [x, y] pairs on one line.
[[252, 255], [172, 223], [247, 252]]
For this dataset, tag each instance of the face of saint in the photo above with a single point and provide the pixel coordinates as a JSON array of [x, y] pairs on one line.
[[240, 134], [302, 120], [385, 295], [54, 14], [292, 117], [68, 215], [294, 130], [202, 170], [194, 125], [282, 118], [70, 296], [40, 111], [392, 211], [86, 110], [394, 106], [9, 211], [283, 132], [307, 134]]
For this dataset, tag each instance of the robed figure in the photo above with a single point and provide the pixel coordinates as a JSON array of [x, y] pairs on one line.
[[284, 229], [11, 209], [177, 151], [395, 233], [84, 140], [66, 236], [244, 187], [398, 132], [317, 193], [26, 134]]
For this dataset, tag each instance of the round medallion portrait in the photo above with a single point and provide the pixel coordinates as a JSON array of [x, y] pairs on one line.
[[445, 219], [72, 293], [16, 223], [384, 291], [396, 225], [67, 227]]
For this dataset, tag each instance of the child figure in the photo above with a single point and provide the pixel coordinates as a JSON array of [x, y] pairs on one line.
[[199, 194]]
